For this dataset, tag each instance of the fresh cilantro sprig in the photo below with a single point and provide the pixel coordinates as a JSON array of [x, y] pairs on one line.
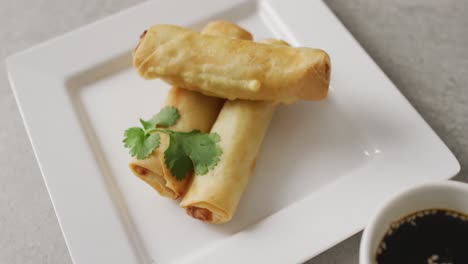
[[142, 141], [139, 142], [187, 151]]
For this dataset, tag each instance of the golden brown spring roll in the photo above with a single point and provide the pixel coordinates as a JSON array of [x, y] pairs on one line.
[[197, 111], [232, 68], [241, 125]]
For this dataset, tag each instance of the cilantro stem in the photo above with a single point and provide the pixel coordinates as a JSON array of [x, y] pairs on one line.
[[162, 130]]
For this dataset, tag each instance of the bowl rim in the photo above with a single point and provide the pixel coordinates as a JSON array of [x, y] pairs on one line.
[[371, 227]]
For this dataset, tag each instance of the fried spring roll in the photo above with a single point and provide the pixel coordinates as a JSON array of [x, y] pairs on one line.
[[197, 111], [231, 68], [241, 125]]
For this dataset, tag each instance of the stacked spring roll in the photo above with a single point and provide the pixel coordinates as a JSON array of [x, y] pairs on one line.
[[197, 112], [255, 77], [241, 125], [232, 68]]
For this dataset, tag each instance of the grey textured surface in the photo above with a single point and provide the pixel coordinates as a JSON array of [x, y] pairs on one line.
[[420, 45]]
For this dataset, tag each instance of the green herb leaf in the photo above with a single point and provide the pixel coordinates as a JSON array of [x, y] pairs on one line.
[[142, 141], [189, 151], [139, 143], [166, 117], [175, 158]]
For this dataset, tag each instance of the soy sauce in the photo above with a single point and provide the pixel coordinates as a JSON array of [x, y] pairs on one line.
[[431, 237]]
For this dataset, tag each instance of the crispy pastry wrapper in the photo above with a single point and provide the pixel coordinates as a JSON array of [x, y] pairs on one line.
[[232, 68]]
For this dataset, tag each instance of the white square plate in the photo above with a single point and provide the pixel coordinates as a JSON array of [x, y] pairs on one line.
[[323, 168]]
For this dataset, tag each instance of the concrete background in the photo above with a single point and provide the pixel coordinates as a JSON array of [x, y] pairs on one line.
[[420, 44]]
